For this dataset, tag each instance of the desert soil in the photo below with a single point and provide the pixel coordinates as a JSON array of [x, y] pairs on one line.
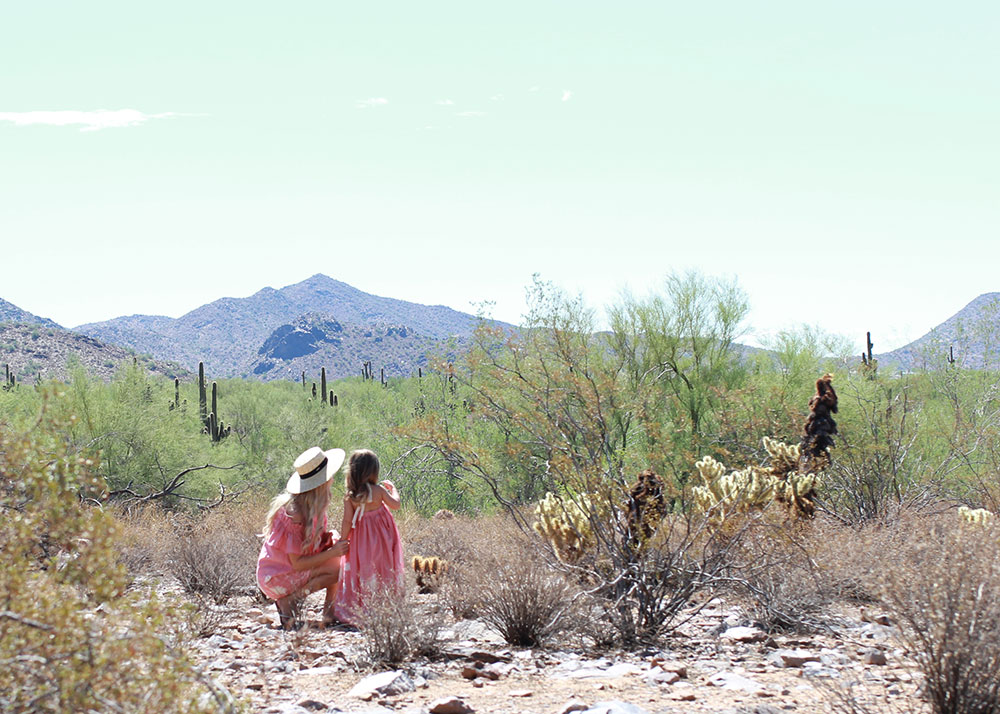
[[712, 664]]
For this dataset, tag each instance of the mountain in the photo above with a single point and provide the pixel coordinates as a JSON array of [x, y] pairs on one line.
[[229, 334], [971, 336], [34, 352], [315, 341], [10, 312]]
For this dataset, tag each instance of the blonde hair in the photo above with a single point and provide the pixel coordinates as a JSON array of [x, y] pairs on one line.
[[309, 506], [362, 469]]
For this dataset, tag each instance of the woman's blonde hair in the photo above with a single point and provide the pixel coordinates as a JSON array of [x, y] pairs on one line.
[[309, 507], [362, 469]]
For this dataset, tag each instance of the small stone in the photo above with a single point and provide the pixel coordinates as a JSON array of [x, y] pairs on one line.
[[470, 672], [573, 705], [520, 693], [743, 634], [387, 684], [875, 657], [677, 668], [311, 705], [792, 658], [731, 680], [478, 683], [253, 611], [450, 705]]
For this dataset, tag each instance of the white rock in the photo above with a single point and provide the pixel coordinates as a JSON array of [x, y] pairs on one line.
[[743, 634], [731, 680], [387, 684]]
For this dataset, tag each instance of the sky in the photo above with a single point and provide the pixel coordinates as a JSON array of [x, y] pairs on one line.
[[840, 161]]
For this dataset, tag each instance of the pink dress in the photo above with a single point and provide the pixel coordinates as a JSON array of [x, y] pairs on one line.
[[275, 575], [375, 560]]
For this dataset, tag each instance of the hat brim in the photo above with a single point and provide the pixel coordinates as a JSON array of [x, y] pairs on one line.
[[334, 460]]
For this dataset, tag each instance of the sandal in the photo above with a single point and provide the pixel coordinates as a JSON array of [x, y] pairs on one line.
[[288, 622]]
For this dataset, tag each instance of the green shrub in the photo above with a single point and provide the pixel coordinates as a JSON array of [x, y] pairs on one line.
[[71, 637]]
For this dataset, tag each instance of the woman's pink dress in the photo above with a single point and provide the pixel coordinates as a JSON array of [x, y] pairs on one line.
[[375, 560], [275, 574]]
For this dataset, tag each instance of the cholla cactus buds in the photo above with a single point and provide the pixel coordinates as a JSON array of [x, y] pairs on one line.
[[429, 572], [978, 516], [566, 525]]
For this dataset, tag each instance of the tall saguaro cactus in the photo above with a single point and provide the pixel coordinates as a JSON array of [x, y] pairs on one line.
[[215, 427], [202, 405], [322, 383]]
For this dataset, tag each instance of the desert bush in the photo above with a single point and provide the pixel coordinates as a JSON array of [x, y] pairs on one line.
[[784, 588], [215, 554], [526, 600], [71, 637], [396, 626], [945, 593]]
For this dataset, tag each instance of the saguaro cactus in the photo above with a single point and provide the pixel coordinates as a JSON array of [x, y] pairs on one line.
[[322, 382], [202, 405]]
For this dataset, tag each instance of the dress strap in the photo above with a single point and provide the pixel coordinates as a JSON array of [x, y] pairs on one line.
[[360, 512]]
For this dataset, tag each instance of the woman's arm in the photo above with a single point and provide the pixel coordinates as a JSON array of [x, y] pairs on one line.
[[390, 496], [308, 562]]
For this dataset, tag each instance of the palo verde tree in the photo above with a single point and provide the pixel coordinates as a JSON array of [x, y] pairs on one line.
[[566, 408]]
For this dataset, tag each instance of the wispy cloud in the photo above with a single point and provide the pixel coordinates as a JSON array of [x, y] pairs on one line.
[[471, 114], [87, 121], [496, 98], [371, 102], [534, 89], [444, 102], [566, 95]]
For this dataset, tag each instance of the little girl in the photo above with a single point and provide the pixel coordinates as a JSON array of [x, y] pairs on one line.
[[375, 559], [299, 555]]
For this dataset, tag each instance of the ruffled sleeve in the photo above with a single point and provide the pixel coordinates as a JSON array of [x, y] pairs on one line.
[[286, 536]]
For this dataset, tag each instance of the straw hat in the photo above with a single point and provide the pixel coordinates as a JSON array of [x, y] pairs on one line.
[[313, 468]]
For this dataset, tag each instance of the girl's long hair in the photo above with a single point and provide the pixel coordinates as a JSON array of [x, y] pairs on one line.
[[309, 506], [362, 469]]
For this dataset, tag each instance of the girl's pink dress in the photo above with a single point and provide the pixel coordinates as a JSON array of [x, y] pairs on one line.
[[375, 560], [275, 575]]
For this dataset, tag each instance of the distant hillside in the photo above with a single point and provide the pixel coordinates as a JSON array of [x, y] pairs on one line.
[[12, 313], [315, 341], [228, 334], [973, 334], [36, 352]]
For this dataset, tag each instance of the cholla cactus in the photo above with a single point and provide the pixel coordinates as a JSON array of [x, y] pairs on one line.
[[798, 492], [753, 487], [794, 489], [566, 525], [429, 572], [723, 494], [784, 458], [978, 516]]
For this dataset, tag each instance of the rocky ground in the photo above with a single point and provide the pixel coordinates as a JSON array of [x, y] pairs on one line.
[[713, 664]]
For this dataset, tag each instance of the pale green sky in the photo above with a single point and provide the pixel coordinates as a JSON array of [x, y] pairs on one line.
[[841, 161]]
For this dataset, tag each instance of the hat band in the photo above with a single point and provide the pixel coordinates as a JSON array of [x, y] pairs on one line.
[[322, 465]]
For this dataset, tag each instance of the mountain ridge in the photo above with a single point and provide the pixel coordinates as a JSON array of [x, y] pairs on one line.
[[228, 332]]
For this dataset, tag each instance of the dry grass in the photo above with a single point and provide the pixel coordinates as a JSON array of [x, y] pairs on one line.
[[397, 626], [212, 555], [945, 593]]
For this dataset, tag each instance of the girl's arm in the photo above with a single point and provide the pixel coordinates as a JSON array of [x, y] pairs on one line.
[[345, 524], [308, 562], [390, 496]]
